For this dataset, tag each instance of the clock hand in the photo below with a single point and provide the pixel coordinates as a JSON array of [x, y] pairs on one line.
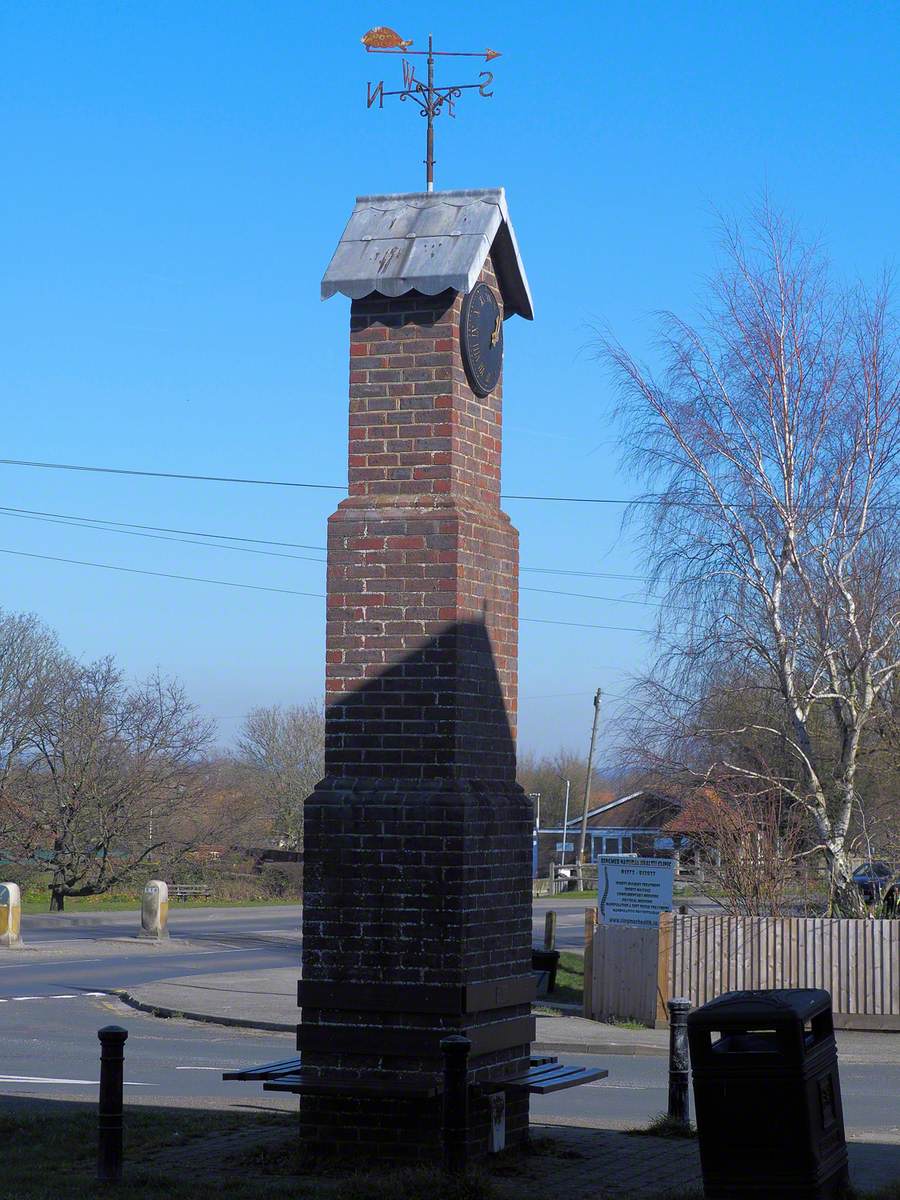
[[495, 336]]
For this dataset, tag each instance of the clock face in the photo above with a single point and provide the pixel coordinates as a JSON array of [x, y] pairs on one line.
[[481, 339]]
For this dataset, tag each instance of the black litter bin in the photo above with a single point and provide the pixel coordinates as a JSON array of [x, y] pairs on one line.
[[544, 963], [767, 1096]]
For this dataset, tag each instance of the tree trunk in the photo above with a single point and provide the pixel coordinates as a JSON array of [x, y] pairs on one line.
[[845, 899], [57, 899]]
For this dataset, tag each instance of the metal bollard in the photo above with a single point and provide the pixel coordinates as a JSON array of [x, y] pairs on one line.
[[456, 1102], [679, 1061], [109, 1126], [550, 931]]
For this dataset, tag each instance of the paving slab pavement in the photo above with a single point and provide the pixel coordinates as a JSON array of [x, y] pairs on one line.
[[566, 1160]]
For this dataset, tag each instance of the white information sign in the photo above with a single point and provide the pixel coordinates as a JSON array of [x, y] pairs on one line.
[[633, 891]]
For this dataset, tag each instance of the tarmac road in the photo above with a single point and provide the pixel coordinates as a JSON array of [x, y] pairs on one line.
[[268, 922], [48, 1020], [194, 923], [49, 1048]]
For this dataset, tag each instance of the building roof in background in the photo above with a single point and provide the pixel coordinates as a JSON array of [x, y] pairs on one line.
[[637, 810], [428, 242], [699, 812]]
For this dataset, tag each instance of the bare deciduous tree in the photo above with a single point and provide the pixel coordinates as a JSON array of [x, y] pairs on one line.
[[751, 850], [286, 749], [28, 653], [105, 768], [770, 446]]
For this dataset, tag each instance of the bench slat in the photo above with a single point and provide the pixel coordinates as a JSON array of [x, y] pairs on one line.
[[310, 1085], [558, 1083], [545, 1075], [266, 1071]]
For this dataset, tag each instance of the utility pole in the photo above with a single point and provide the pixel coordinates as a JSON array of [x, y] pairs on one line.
[[536, 797], [565, 825], [587, 789]]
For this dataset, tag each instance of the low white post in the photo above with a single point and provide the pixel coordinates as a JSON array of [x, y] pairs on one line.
[[10, 916], [155, 910]]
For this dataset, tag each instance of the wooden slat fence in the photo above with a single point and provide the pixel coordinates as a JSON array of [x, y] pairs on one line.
[[700, 957], [623, 973]]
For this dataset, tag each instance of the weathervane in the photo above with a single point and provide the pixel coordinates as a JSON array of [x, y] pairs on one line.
[[430, 99]]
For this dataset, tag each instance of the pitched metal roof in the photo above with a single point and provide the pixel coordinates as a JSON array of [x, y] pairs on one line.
[[428, 242]]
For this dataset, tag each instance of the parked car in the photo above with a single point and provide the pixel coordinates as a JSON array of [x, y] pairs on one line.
[[874, 879]]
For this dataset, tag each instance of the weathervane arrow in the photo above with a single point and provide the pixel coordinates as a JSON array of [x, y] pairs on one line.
[[431, 99]]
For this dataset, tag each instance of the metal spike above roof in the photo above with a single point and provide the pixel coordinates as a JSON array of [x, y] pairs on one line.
[[428, 242]]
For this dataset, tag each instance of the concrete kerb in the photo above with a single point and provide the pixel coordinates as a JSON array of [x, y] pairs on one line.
[[542, 1047], [160, 1010]]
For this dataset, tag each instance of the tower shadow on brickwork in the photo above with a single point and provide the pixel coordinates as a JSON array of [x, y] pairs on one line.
[[437, 713], [417, 900]]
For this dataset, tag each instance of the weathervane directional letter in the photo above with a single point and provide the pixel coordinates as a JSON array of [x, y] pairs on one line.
[[431, 99]]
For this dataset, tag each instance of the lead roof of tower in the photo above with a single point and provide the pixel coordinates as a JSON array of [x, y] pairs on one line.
[[428, 242]]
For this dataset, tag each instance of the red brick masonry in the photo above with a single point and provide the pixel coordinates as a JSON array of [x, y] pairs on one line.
[[418, 841]]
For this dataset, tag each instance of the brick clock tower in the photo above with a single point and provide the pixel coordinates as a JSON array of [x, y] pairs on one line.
[[417, 891]]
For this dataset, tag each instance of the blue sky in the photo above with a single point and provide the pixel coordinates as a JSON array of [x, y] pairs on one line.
[[175, 178]]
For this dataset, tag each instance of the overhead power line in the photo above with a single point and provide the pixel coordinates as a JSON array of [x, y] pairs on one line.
[[230, 537], [107, 525], [584, 574], [584, 596], [75, 523], [580, 625], [254, 587], [286, 483], [72, 523], [78, 562], [21, 462]]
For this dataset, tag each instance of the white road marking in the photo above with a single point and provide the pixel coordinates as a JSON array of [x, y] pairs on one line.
[[50, 996], [629, 1087], [72, 961], [204, 1068], [43, 1079]]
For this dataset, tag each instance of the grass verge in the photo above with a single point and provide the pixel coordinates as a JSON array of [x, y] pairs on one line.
[[664, 1126], [49, 1154], [569, 980]]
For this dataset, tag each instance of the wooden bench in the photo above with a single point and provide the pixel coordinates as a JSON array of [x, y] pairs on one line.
[[543, 1076], [546, 1074], [189, 891]]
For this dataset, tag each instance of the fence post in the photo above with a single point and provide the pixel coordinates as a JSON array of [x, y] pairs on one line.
[[590, 925], [109, 1124], [456, 1102], [663, 966], [678, 1060], [550, 931]]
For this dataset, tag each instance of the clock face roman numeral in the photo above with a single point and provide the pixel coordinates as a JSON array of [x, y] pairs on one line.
[[481, 339]]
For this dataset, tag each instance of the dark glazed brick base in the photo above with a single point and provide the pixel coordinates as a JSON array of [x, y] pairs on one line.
[[428, 884]]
